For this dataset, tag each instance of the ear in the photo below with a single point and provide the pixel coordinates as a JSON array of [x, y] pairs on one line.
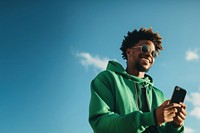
[[128, 53]]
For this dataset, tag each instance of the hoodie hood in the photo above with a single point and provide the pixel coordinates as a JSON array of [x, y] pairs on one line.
[[118, 68]]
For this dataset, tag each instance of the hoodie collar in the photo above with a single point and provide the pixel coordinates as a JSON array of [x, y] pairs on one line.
[[118, 68]]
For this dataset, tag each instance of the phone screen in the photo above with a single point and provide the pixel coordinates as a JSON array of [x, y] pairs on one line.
[[178, 95]]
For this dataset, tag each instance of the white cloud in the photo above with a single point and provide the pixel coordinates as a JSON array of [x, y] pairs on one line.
[[87, 60], [192, 55], [189, 130], [196, 112], [194, 98]]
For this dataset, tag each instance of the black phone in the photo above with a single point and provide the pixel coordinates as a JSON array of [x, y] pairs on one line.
[[178, 95]]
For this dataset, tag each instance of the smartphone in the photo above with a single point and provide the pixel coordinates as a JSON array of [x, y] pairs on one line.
[[178, 95]]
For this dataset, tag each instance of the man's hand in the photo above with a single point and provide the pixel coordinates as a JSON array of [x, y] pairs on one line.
[[180, 115], [167, 111]]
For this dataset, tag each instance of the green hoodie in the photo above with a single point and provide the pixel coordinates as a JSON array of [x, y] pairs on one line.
[[116, 103]]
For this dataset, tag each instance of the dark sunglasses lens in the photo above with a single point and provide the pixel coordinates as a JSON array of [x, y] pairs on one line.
[[145, 49], [154, 54]]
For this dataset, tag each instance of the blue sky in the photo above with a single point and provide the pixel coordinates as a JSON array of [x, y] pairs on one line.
[[51, 50]]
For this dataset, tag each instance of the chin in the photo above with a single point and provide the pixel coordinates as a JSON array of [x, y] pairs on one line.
[[142, 68]]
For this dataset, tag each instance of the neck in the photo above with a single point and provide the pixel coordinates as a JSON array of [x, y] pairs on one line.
[[135, 72]]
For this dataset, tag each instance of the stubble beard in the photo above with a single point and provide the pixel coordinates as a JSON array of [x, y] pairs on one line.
[[140, 68]]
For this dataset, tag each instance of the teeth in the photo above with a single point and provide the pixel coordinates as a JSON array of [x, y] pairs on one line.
[[146, 60]]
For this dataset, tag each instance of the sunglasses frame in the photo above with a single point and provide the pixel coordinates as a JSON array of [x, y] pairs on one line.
[[145, 49]]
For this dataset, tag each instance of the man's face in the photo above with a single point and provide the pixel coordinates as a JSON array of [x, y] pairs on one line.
[[139, 60]]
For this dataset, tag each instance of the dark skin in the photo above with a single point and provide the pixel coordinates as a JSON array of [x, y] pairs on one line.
[[138, 64]]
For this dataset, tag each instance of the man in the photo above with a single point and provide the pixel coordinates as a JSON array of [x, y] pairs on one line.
[[125, 100]]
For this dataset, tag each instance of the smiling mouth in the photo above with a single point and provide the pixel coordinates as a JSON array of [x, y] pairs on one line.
[[146, 60]]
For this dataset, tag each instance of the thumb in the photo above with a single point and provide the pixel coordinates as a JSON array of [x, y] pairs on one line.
[[165, 103]]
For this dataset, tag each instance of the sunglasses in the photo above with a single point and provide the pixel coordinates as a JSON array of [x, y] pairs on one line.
[[145, 49]]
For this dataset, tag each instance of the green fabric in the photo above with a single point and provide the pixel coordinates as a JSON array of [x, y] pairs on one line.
[[115, 105]]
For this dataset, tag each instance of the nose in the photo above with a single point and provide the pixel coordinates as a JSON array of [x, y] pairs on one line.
[[149, 52]]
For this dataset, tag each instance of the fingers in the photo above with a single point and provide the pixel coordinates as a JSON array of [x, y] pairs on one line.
[[168, 112], [169, 115], [172, 108], [174, 105], [179, 119], [183, 105], [165, 103], [180, 115]]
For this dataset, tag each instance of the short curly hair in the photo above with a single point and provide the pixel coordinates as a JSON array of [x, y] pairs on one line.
[[135, 36]]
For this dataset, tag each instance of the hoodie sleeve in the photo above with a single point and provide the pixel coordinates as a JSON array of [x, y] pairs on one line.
[[170, 128], [102, 117]]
